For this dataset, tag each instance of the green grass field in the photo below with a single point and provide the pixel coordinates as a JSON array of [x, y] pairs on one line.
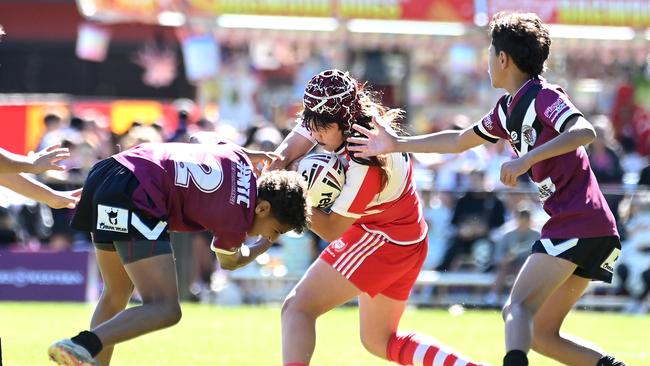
[[211, 335]]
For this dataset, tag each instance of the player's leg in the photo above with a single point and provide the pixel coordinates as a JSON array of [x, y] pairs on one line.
[[321, 289], [547, 339], [115, 294], [155, 280], [539, 277]]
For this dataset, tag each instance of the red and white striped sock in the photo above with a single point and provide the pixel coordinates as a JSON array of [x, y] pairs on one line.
[[412, 349]]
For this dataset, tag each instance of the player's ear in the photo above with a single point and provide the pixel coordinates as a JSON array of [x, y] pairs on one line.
[[263, 208]]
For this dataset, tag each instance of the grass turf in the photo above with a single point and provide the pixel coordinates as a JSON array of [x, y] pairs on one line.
[[210, 335]]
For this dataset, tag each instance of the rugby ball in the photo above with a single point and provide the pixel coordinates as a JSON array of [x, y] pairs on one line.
[[325, 177]]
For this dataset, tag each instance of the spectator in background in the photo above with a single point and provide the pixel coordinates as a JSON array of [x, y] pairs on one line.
[[53, 124], [476, 213], [634, 268], [512, 250], [8, 234], [644, 178]]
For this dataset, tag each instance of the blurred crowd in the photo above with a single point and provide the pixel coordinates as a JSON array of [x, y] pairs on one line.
[[474, 223]]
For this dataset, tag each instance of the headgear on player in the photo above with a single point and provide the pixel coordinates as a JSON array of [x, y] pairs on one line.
[[333, 93]]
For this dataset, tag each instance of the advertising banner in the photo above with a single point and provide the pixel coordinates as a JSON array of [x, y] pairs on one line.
[[44, 276]]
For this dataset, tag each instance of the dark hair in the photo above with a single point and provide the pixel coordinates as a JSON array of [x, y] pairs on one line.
[[368, 105], [51, 118], [524, 37], [286, 191]]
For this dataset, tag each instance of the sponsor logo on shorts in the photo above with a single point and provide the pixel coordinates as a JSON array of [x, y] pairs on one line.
[[608, 264], [112, 219]]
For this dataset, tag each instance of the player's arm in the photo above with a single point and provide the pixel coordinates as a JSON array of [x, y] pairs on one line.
[[38, 191], [239, 257], [330, 226], [577, 132], [292, 147], [35, 163], [382, 140]]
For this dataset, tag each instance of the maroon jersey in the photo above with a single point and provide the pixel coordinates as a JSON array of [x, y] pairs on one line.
[[536, 114], [195, 187]]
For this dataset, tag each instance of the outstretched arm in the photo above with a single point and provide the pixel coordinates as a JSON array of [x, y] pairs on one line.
[[38, 191], [292, 147], [382, 140], [36, 163]]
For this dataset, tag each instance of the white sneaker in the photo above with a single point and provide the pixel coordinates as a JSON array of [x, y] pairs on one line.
[[67, 353]]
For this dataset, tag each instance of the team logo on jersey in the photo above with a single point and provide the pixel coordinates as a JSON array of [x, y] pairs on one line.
[[112, 219], [529, 135], [514, 136], [338, 245], [554, 109]]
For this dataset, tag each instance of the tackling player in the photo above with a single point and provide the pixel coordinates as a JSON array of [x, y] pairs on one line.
[[131, 201], [579, 242], [377, 235]]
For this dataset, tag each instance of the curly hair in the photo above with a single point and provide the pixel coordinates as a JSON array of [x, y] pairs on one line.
[[524, 37], [286, 191], [346, 111]]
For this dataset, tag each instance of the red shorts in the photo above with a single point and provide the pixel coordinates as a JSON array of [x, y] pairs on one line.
[[374, 264]]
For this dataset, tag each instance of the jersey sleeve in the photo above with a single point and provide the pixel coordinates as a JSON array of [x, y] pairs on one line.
[[490, 127], [304, 132], [362, 185], [554, 108]]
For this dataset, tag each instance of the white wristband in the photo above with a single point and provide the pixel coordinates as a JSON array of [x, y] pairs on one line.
[[223, 251]]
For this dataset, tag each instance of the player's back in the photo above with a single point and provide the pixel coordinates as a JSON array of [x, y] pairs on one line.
[[193, 186]]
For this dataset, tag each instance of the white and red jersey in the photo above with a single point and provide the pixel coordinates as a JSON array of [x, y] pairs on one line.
[[394, 211]]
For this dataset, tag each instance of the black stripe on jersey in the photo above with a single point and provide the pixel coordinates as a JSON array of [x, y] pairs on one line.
[[484, 136], [515, 120], [567, 120]]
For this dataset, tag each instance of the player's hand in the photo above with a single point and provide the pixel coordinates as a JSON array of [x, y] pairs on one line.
[[64, 199], [47, 158], [378, 140], [261, 159], [512, 169]]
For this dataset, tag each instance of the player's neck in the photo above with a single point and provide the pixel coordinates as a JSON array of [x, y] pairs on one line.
[[515, 82]]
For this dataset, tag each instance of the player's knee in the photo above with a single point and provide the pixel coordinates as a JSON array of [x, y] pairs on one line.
[[116, 297], [170, 314], [515, 310], [543, 341], [374, 343], [295, 305]]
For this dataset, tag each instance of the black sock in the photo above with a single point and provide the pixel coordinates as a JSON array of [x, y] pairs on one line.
[[515, 358], [609, 361], [89, 341]]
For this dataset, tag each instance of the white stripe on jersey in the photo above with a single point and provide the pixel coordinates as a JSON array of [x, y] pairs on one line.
[[502, 118], [570, 112], [485, 131], [529, 118]]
